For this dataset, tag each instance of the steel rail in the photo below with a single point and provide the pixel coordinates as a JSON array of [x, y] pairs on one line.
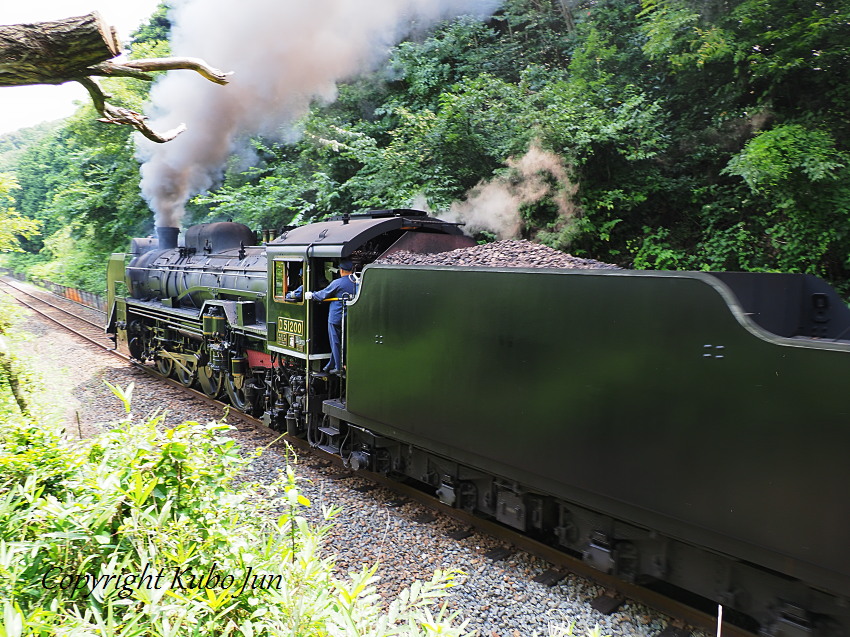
[[47, 315]]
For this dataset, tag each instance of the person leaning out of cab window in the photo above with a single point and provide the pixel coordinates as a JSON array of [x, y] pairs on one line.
[[338, 292]]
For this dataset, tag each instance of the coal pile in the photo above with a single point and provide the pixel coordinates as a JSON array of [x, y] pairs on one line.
[[510, 253]]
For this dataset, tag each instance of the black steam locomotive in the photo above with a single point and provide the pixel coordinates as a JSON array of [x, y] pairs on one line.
[[689, 427]]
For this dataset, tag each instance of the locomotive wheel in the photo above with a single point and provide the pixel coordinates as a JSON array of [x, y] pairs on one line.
[[136, 346], [209, 381], [136, 340], [164, 365], [186, 376], [237, 395]]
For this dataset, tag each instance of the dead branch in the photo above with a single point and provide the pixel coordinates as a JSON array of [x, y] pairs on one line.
[[139, 68], [117, 115], [54, 52]]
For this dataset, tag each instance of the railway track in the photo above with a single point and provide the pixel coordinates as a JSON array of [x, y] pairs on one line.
[[56, 309], [67, 314]]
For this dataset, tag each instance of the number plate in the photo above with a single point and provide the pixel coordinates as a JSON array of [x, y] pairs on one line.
[[290, 333]]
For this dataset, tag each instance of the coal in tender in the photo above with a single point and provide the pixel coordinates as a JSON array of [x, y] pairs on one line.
[[509, 253]]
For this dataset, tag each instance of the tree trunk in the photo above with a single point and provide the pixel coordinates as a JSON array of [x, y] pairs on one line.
[[74, 49], [54, 52]]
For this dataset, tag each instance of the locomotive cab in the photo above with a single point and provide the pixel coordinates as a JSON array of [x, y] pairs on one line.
[[307, 257], [291, 275]]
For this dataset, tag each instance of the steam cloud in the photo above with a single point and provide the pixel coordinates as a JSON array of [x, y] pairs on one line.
[[494, 205], [284, 54]]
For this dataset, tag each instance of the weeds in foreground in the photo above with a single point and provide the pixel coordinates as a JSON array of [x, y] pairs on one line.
[[141, 531], [144, 531]]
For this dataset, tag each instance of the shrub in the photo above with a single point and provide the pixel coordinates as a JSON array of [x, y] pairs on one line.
[[149, 535]]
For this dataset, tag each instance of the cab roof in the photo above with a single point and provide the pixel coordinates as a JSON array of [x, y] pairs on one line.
[[340, 236]]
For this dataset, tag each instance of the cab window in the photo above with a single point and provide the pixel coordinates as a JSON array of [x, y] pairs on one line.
[[288, 278]]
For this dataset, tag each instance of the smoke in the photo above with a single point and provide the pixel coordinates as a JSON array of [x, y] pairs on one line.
[[494, 206], [284, 54]]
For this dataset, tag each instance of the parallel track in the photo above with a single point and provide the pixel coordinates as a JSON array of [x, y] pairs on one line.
[[94, 333], [559, 560], [85, 328]]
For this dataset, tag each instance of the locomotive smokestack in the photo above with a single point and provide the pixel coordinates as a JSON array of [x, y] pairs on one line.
[[167, 237]]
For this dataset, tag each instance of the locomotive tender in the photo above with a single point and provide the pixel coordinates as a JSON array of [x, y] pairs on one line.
[[687, 427]]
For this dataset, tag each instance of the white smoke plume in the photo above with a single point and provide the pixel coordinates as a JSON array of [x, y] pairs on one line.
[[494, 206], [284, 54]]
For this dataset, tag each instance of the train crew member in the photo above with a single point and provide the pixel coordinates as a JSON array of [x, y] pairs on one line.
[[294, 295], [339, 291]]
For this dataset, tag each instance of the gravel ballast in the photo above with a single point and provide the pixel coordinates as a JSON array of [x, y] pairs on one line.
[[498, 597]]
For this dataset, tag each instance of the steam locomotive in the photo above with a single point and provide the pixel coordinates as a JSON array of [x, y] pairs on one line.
[[686, 427]]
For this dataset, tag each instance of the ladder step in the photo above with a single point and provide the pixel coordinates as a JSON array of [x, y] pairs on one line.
[[330, 431], [329, 449]]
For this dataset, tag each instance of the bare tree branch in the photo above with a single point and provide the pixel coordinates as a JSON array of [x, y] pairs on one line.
[[54, 52], [117, 115], [132, 68]]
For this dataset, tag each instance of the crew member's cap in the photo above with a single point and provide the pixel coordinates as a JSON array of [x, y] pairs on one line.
[[346, 264]]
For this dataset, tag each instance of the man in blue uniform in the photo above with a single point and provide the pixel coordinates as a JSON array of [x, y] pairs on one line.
[[339, 291]]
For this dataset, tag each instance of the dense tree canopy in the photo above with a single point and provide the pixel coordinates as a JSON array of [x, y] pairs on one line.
[[695, 134], [12, 224]]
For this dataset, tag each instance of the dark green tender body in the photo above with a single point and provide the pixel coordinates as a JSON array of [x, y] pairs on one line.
[[651, 396]]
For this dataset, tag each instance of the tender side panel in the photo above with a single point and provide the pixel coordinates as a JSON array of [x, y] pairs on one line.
[[638, 394]]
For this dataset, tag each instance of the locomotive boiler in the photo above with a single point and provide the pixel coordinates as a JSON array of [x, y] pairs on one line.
[[686, 427], [217, 310]]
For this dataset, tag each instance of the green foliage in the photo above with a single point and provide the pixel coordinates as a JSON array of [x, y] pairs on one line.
[[146, 533], [458, 51], [12, 224], [720, 127], [284, 189], [654, 251], [676, 32], [801, 177], [477, 124], [785, 43], [156, 30], [13, 144], [73, 258], [775, 160], [23, 447]]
